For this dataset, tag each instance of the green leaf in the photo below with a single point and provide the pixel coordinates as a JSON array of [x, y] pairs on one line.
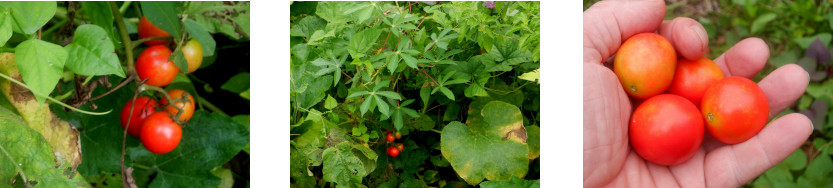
[[319, 35], [363, 11], [796, 161], [805, 42], [100, 14], [533, 134], [761, 22], [93, 53], [366, 104], [532, 76], [332, 11], [237, 83], [307, 26], [41, 64], [362, 42], [25, 154], [5, 25], [409, 60], [447, 93], [199, 33], [515, 182], [819, 170], [163, 14], [190, 164], [358, 93], [29, 16], [383, 106], [425, 94], [492, 146], [330, 102], [341, 166], [389, 94]]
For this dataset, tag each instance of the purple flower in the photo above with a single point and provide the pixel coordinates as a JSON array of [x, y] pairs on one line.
[[489, 4]]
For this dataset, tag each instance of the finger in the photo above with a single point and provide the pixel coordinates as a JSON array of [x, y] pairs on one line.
[[690, 172], [744, 59], [734, 165], [608, 23], [783, 86], [688, 37], [606, 115]]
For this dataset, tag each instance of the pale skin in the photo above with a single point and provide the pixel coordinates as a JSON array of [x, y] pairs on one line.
[[609, 161]]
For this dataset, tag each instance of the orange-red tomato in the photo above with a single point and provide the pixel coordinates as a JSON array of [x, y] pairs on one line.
[[160, 134], [147, 29], [154, 66], [645, 65], [693, 78], [143, 108], [666, 129], [186, 106], [735, 109]]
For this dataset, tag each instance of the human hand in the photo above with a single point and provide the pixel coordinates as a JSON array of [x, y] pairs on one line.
[[608, 157]]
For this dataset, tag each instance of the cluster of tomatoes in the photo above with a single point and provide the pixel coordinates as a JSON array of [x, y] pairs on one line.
[[393, 151], [682, 99], [153, 123]]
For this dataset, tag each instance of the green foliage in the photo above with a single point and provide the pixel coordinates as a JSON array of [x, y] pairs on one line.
[[94, 56], [455, 57]]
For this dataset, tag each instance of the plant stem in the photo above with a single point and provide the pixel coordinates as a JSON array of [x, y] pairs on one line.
[[55, 27], [210, 106], [143, 167], [52, 99], [436, 131], [125, 38], [136, 43], [124, 6]]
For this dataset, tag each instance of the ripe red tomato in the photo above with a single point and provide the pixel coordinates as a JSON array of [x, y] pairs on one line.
[[392, 151], [400, 147], [160, 134], [193, 55], [398, 135], [143, 108], [692, 78], [735, 109], [153, 65], [147, 29], [186, 106], [645, 65], [666, 129], [390, 138]]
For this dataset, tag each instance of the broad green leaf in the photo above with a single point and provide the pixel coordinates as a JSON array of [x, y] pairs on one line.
[[389, 94], [93, 53], [100, 135], [100, 14], [383, 106], [199, 33], [819, 170], [366, 104], [330, 102], [29, 16], [315, 91], [447, 93], [226, 175], [178, 58], [341, 166], [26, 155], [363, 11], [208, 140], [6, 22], [298, 168], [533, 134], [492, 146], [362, 42], [332, 11], [425, 94], [163, 14], [237, 83], [805, 42], [358, 93], [409, 60], [58, 134], [761, 22], [41, 64], [515, 182], [307, 26], [532, 76], [319, 35]]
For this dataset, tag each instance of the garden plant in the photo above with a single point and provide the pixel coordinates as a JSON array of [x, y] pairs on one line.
[[124, 94], [415, 94]]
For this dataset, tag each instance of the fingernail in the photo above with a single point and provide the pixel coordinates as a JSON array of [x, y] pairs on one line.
[[702, 34]]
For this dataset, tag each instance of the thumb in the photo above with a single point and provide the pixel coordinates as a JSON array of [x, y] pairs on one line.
[[607, 23]]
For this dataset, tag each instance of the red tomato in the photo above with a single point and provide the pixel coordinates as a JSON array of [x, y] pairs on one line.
[[147, 29], [153, 65], [398, 135], [666, 129], [392, 151], [645, 65], [735, 109], [186, 106], [160, 134], [390, 138], [692, 78], [143, 108]]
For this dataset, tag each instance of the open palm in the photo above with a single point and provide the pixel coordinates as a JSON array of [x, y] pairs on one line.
[[608, 157]]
